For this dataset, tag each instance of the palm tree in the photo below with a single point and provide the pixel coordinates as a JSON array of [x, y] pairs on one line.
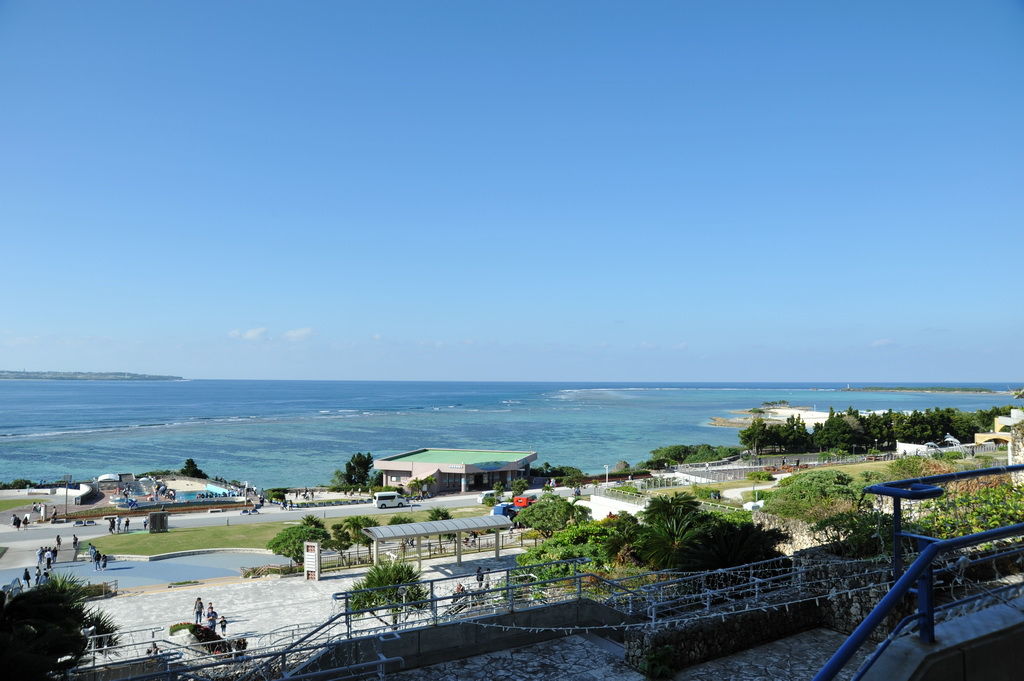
[[415, 486], [350, 531], [439, 513], [726, 545], [665, 507], [578, 513], [311, 520], [41, 629], [393, 582], [429, 482], [664, 544]]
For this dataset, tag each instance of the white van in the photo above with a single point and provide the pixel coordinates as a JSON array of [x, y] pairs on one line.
[[389, 500]]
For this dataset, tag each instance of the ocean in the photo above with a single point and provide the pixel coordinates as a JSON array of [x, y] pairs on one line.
[[275, 433]]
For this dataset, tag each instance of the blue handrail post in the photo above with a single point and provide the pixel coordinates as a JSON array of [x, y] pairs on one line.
[[925, 599], [897, 538]]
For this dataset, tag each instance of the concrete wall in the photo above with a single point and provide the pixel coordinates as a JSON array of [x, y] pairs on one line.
[[983, 646]]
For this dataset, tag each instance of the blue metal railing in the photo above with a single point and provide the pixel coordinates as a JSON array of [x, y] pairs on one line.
[[919, 576]]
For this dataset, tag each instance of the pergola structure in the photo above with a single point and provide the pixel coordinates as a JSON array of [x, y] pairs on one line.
[[456, 526]]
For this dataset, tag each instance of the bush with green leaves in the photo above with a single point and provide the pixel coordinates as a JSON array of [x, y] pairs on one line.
[[972, 510], [289, 541], [392, 582], [814, 495], [586, 540], [760, 476], [856, 534], [401, 519]]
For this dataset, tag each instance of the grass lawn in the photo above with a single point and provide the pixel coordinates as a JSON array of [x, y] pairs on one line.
[[240, 536], [8, 504], [853, 470]]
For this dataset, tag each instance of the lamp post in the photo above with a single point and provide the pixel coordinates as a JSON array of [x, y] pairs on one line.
[[67, 481], [606, 474]]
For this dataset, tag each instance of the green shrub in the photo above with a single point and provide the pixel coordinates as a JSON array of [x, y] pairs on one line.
[[760, 476]]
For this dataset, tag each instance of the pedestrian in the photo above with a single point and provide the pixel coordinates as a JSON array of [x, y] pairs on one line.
[[27, 578], [48, 557], [74, 546], [145, 524], [197, 610], [103, 562], [39, 575], [44, 579], [16, 521], [223, 625], [110, 529], [58, 542], [126, 521], [96, 559], [26, 521], [479, 578], [39, 555], [211, 618], [119, 524]]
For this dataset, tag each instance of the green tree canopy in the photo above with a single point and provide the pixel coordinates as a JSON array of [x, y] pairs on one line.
[[547, 515], [289, 541], [350, 531], [357, 469], [192, 470]]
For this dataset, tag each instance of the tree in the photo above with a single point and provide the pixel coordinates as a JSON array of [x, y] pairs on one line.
[[310, 520], [429, 482], [753, 437], [41, 629], [350, 531], [499, 490], [439, 513], [401, 519], [814, 495], [357, 469], [578, 512], [664, 544], [519, 486], [289, 541], [391, 582], [663, 508], [548, 515], [415, 486], [725, 544], [190, 469]]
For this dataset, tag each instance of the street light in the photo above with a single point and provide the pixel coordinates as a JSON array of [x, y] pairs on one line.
[[67, 481], [606, 474]]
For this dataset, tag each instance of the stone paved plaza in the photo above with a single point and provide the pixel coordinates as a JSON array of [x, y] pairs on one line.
[[254, 607]]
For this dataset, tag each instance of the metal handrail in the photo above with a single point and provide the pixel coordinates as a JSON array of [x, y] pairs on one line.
[[919, 572]]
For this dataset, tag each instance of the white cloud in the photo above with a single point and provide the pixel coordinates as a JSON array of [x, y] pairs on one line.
[[296, 335], [249, 334], [882, 342]]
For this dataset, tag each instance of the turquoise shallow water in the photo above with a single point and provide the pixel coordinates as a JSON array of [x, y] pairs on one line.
[[298, 432]]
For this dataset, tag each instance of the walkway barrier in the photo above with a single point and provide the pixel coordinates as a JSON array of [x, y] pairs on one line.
[[919, 578]]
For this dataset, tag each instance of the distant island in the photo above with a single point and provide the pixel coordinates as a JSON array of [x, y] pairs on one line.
[[84, 376], [917, 389]]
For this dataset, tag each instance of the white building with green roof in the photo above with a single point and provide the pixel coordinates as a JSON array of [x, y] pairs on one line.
[[455, 469]]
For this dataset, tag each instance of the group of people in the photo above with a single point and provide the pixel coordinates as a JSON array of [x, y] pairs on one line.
[[42, 577], [116, 523], [99, 559], [209, 617], [48, 554]]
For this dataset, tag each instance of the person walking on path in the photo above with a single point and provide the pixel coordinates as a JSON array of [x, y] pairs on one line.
[[39, 555], [48, 557], [223, 625], [96, 560], [197, 610], [74, 547], [58, 544], [211, 618], [16, 521], [39, 574], [479, 578], [27, 578], [119, 524], [103, 562], [126, 521], [110, 528]]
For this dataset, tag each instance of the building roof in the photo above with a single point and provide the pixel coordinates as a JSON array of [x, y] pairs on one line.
[[409, 530], [464, 456]]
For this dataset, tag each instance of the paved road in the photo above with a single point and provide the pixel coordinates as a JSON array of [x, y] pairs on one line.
[[22, 544]]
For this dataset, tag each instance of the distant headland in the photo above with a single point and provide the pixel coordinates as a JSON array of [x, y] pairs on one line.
[[920, 389], [83, 376]]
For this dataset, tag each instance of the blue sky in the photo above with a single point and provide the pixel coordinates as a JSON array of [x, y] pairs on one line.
[[499, 191]]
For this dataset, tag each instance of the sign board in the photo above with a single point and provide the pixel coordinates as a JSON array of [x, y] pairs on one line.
[[311, 560]]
